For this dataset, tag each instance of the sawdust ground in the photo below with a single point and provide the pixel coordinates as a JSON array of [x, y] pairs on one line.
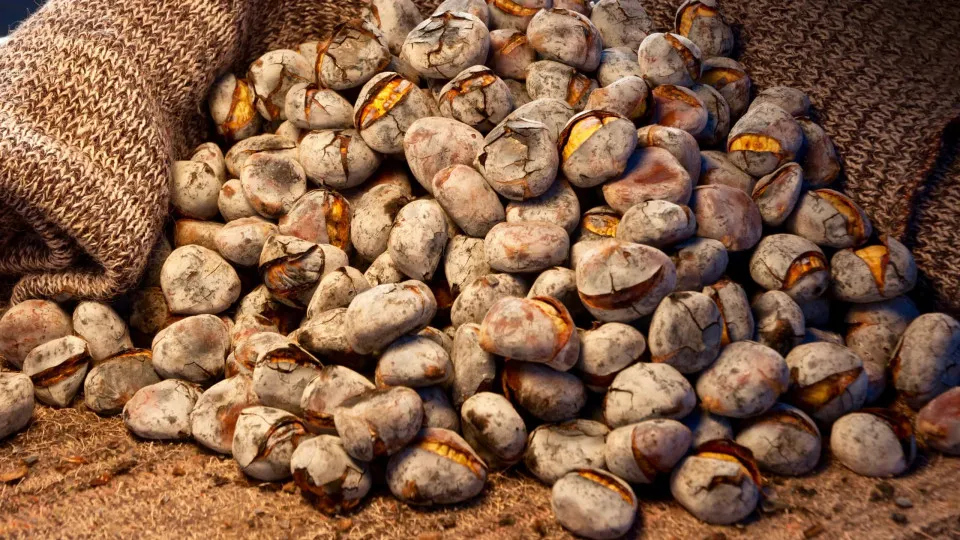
[[89, 478]]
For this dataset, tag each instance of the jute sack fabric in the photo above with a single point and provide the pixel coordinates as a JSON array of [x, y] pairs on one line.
[[98, 96]]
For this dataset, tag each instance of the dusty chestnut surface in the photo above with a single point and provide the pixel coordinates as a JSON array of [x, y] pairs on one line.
[[90, 478]]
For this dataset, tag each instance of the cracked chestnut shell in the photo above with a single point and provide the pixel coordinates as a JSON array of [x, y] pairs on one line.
[[561, 284], [716, 168], [464, 261], [310, 107], [547, 79], [679, 107], [652, 173], [780, 324], [57, 369], [594, 504], [543, 392], [821, 164], [873, 331], [394, 18], [530, 246], [192, 349], [686, 332], [744, 381], [669, 59], [161, 411], [322, 217], [727, 214], [273, 75], [515, 14], [113, 381], [830, 218], [926, 362], [264, 441], [336, 290], [645, 391], [445, 44], [336, 158], [386, 108], [730, 78], [874, 442], [494, 429], [657, 223], [519, 159], [874, 272], [379, 422], [938, 422], [620, 281], [622, 23], [373, 218], [355, 52], [258, 338], [764, 138], [531, 330], [641, 452], [291, 269], [213, 419], [477, 97], [282, 372], [267, 143], [327, 476], [566, 36], [777, 194], [511, 53], [595, 146], [701, 22], [783, 440], [792, 264], [232, 105], [700, 262], [718, 484], [552, 113], [681, 144], [629, 97], [553, 450], [333, 386], [438, 467], [827, 380]]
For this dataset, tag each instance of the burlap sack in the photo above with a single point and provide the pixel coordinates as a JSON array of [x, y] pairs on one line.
[[97, 96]]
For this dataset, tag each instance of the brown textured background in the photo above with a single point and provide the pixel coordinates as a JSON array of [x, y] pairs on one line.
[[884, 76]]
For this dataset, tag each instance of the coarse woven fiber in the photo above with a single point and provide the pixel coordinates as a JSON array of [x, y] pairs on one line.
[[98, 96]]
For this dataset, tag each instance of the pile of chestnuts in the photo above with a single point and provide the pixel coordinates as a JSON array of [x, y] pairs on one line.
[[512, 231]]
